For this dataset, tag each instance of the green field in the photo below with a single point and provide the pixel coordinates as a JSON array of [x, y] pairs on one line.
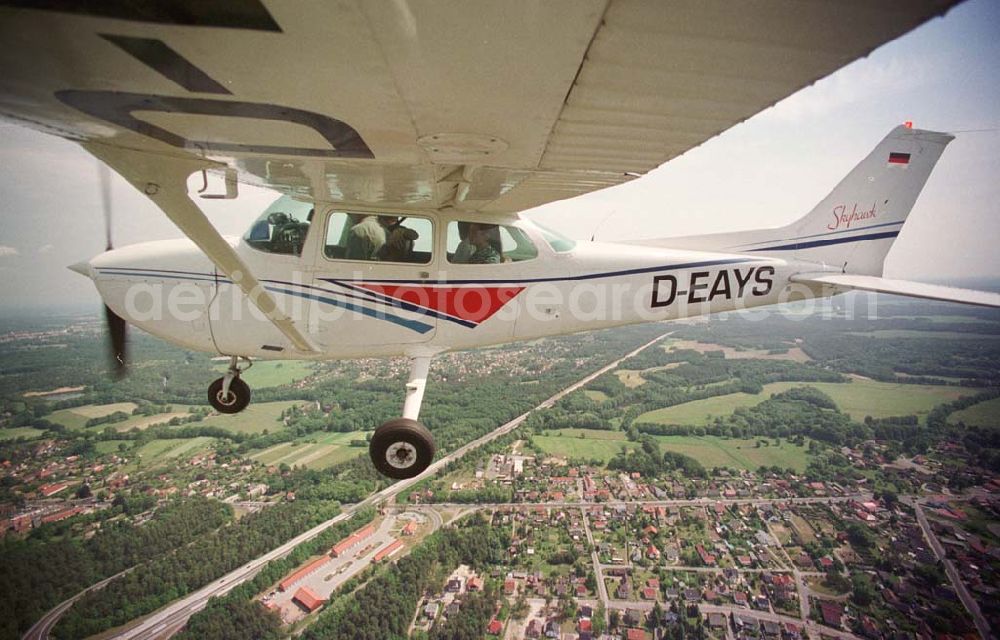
[[741, 454], [596, 396], [599, 445], [630, 378], [159, 451], [143, 422], [108, 446], [315, 451], [701, 412], [20, 432], [77, 417], [273, 373], [984, 414], [254, 419], [858, 398], [877, 399]]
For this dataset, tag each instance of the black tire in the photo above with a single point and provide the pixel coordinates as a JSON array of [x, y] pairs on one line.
[[411, 444], [236, 401]]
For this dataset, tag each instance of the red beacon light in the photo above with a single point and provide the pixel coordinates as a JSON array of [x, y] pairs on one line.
[[908, 124]]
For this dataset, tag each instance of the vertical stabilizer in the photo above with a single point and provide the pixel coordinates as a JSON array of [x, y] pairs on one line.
[[854, 227]]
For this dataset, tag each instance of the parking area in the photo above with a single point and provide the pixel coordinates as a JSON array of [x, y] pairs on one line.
[[333, 573]]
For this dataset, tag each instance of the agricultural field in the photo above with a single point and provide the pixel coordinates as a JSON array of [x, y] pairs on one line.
[[983, 414], [859, 398], [794, 353], [273, 373], [712, 451], [20, 432], [254, 419], [315, 451], [142, 422], [630, 378], [864, 397], [596, 396], [701, 412], [109, 446], [583, 443], [77, 417], [166, 451]]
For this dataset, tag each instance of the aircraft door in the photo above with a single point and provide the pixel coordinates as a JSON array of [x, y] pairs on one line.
[[369, 286]]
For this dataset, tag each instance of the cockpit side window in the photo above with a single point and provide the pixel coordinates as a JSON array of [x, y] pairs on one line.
[[378, 238], [282, 228], [486, 243]]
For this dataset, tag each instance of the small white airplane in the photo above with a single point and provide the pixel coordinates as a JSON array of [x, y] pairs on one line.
[[399, 233]]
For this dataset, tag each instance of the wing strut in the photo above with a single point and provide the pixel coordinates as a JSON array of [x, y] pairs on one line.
[[164, 181]]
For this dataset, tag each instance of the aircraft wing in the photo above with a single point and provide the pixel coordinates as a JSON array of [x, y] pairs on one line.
[[901, 288], [489, 106]]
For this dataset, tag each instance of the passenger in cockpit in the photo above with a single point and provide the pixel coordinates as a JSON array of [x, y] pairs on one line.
[[463, 253], [366, 238], [486, 239]]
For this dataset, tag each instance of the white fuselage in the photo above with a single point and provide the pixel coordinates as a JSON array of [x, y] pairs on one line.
[[355, 309]]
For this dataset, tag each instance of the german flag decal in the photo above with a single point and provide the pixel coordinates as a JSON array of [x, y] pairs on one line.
[[899, 158]]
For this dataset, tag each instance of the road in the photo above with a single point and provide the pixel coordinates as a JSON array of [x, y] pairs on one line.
[[683, 502], [602, 589], [174, 615], [41, 629], [956, 580]]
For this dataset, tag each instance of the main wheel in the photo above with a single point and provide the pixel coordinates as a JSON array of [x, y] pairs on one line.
[[401, 448], [237, 399]]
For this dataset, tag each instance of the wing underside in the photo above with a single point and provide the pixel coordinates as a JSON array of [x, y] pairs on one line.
[[489, 106]]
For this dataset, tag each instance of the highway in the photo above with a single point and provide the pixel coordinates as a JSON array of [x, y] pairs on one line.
[[172, 617], [43, 627]]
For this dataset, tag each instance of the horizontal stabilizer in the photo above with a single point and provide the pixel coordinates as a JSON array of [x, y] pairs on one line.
[[901, 288]]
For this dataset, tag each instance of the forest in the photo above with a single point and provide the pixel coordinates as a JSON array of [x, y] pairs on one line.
[[51, 565], [169, 576]]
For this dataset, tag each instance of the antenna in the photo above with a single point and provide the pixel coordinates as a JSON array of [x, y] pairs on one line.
[[593, 235]]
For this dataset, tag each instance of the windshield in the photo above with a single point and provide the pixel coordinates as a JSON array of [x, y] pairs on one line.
[[282, 228], [556, 240]]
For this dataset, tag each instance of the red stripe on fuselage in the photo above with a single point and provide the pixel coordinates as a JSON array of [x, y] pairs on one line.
[[474, 304]]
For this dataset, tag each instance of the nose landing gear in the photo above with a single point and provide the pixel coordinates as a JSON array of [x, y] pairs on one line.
[[229, 394], [403, 448]]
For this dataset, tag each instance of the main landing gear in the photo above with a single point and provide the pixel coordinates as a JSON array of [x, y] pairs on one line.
[[403, 448], [229, 394]]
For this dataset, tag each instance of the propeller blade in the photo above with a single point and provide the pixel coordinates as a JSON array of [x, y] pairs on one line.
[[118, 332], [117, 327], [105, 177]]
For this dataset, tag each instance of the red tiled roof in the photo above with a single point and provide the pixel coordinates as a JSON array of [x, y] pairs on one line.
[[308, 599], [388, 550], [302, 573], [353, 539]]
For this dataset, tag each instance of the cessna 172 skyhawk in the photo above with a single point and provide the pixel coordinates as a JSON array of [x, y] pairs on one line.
[[406, 137]]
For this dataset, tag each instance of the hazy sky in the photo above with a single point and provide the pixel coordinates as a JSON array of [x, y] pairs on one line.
[[766, 172]]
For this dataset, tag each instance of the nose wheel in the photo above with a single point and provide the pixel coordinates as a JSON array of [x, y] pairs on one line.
[[229, 394], [401, 448]]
